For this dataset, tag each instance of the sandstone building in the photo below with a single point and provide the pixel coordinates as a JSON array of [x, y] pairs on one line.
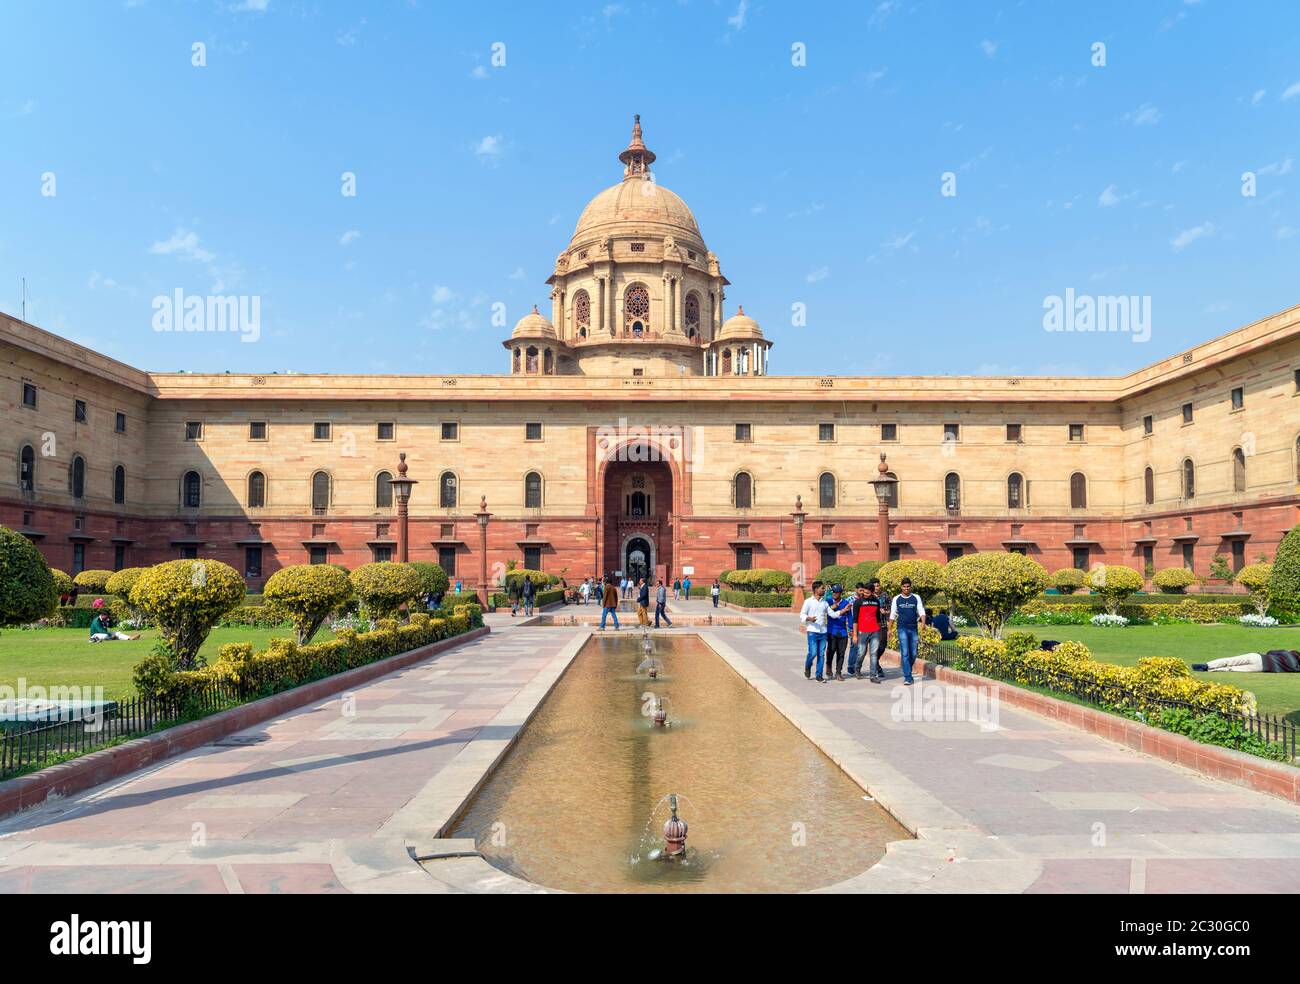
[[637, 426]]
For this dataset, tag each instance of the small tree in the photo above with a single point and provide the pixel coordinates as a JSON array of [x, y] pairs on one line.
[[93, 582], [27, 588], [1067, 580], [62, 582], [384, 587], [1114, 583], [1284, 583], [1254, 578], [1219, 569], [433, 579], [926, 575], [306, 595], [1175, 580], [121, 582], [991, 586], [185, 598]]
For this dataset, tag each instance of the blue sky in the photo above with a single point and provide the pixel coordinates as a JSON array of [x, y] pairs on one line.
[[817, 184]]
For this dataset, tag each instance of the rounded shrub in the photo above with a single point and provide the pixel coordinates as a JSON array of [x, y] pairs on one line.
[[306, 595], [433, 579], [1175, 580], [1113, 583], [1255, 578], [1067, 580], [121, 583], [926, 576], [1284, 582], [862, 572], [833, 574], [760, 580], [185, 598], [384, 587], [62, 582], [27, 588], [540, 579], [93, 582], [991, 586]]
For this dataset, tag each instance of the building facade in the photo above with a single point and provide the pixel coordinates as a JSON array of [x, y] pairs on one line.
[[638, 428]]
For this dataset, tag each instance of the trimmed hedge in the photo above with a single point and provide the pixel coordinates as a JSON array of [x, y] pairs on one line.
[[94, 582], [1188, 610], [756, 599], [758, 580], [1123, 688], [1175, 580], [261, 616], [542, 598]]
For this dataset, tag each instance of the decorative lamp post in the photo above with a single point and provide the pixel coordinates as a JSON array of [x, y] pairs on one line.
[[482, 516], [798, 516], [402, 492], [884, 484]]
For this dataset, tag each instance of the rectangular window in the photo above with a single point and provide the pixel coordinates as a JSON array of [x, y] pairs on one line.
[[889, 432], [952, 432], [1238, 398], [1018, 550], [447, 560], [78, 558], [119, 424], [1297, 380], [320, 431], [744, 558], [384, 430], [1013, 434], [29, 395], [825, 433], [1076, 433], [744, 432], [252, 562], [257, 430], [953, 552], [193, 430], [450, 430], [1187, 413], [829, 556], [189, 553], [1148, 424], [79, 411], [319, 555], [895, 552], [119, 557], [1080, 558], [1189, 556], [638, 372], [533, 431], [1148, 557], [383, 553], [1238, 555], [533, 558]]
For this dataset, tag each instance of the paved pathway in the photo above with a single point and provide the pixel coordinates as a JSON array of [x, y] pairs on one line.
[[332, 797]]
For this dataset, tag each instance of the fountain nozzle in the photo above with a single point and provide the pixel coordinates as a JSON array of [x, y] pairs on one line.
[[660, 717], [674, 831]]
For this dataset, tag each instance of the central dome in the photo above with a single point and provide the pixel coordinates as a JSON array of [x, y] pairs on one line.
[[636, 206]]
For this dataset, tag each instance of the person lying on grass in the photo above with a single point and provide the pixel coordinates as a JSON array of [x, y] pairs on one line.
[[1273, 661]]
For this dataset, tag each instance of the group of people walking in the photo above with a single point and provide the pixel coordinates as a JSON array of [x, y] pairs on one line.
[[856, 626]]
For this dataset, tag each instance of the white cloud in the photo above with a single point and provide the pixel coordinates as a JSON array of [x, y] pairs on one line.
[[881, 13], [818, 275], [1277, 167], [1189, 236], [990, 48], [489, 149], [896, 242], [1110, 197], [736, 21], [99, 280], [251, 6], [518, 274], [1292, 91], [442, 294], [758, 209], [1144, 115], [480, 72], [1286, 232], [1257, 97], [1178, 166], [349, 237], [183, 244]]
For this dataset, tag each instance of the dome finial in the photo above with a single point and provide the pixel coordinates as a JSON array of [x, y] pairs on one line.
[[637, 158]]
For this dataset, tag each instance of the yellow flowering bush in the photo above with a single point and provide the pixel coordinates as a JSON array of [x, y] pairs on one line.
[[926, 575], [1175, 580], [991, 586], [1254, 578], [1067, 580], [62, 582], [926, 640], [121, 582], [306, 595], [1113, 583], [93, 582], [384, 587], [185, 598]]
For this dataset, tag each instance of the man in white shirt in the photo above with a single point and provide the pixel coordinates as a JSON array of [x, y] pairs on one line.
[[813, 618]]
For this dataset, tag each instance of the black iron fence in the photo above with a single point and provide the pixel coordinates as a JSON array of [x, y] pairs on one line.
[[30, 745], [1240, 731]]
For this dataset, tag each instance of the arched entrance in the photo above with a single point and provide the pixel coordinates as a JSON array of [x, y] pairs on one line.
[[638, 558]]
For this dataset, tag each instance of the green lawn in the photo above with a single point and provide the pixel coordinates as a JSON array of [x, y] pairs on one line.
[[53, 657], [1278, 693]]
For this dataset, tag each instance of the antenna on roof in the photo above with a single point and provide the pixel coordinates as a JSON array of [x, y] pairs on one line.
[[24, 298]]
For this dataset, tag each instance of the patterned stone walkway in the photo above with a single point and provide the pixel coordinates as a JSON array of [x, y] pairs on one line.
[[337, 796]]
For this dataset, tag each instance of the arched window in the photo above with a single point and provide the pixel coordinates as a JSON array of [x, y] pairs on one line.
[[582, 312], [256, 490], [77, 477], [744, 490], [1189, 479], [1015, 491], [27, 469], [191, 490], [119, 485], [726, 362], [691, 309], [384, 490], [516, 361], [447, 490], [826, 490], [952, 493], [533, 491], [1238, 470], [320, 492], [1149, 486], [636, 310], [1078, 491], [548, 363], [530, 361], [892, 499]]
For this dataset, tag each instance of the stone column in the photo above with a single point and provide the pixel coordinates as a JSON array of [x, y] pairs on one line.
[[798, 517], [600, 307], [482, 516]]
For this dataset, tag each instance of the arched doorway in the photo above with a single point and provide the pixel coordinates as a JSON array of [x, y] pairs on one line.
[[638, 558]]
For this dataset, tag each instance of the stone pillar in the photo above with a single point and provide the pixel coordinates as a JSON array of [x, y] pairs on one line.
[[402, 493], [600, 307], [798, 517], [482, 516]]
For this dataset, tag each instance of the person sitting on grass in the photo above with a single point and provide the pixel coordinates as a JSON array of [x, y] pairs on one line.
[[1273, 661], [941, 622], [100, 630]]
